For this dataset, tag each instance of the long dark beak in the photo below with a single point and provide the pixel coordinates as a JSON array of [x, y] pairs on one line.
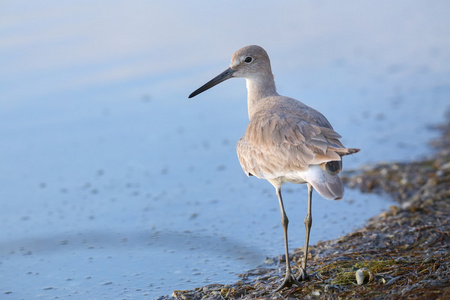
[[227, 74]]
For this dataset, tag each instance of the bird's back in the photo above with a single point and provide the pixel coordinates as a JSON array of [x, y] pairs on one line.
[[285, 138]]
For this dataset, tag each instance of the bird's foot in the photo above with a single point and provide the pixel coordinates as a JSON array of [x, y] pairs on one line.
[[289, 280], [303, 275]]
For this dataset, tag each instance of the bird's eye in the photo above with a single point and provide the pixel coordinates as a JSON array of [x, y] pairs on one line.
[[248, 59]]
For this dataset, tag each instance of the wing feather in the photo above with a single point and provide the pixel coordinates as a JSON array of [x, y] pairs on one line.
[[276, 143]]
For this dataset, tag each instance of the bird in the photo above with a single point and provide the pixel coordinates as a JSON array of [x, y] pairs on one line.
[[285, 141]]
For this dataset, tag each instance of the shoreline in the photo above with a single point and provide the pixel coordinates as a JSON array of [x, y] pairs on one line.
[[400, 253]]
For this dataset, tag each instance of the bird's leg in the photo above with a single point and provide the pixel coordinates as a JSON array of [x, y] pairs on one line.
[[289, 279], [308, 223]]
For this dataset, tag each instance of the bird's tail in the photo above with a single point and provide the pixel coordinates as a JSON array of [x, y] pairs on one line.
[[331, 188], [344, 151], [352, 151], [326, 183]]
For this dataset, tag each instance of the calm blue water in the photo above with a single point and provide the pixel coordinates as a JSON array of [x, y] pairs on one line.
[[114, 185]]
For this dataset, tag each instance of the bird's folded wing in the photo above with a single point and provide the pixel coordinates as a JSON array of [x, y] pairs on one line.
[[275, 143]]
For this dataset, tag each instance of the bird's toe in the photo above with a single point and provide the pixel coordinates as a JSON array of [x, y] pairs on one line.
[[303, 275], [289, 280]]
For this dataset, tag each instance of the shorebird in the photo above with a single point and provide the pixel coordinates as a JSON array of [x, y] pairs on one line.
[[285, 141]]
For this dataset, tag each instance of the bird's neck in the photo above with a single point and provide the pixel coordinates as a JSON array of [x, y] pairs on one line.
[[259, 88]]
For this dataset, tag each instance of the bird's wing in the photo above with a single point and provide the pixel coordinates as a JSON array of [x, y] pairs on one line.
[[276, 143]]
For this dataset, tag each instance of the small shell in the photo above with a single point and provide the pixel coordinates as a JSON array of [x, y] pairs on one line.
[[361, 276]]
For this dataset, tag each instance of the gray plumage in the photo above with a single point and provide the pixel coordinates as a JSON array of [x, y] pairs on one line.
[[285, 140]]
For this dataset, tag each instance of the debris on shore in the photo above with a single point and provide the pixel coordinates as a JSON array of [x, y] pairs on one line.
[[402, 253]]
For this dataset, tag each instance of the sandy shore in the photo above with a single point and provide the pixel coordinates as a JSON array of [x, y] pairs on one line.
[[402, 253]]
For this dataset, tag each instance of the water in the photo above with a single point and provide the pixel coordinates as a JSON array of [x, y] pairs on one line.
[[114, 185]]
